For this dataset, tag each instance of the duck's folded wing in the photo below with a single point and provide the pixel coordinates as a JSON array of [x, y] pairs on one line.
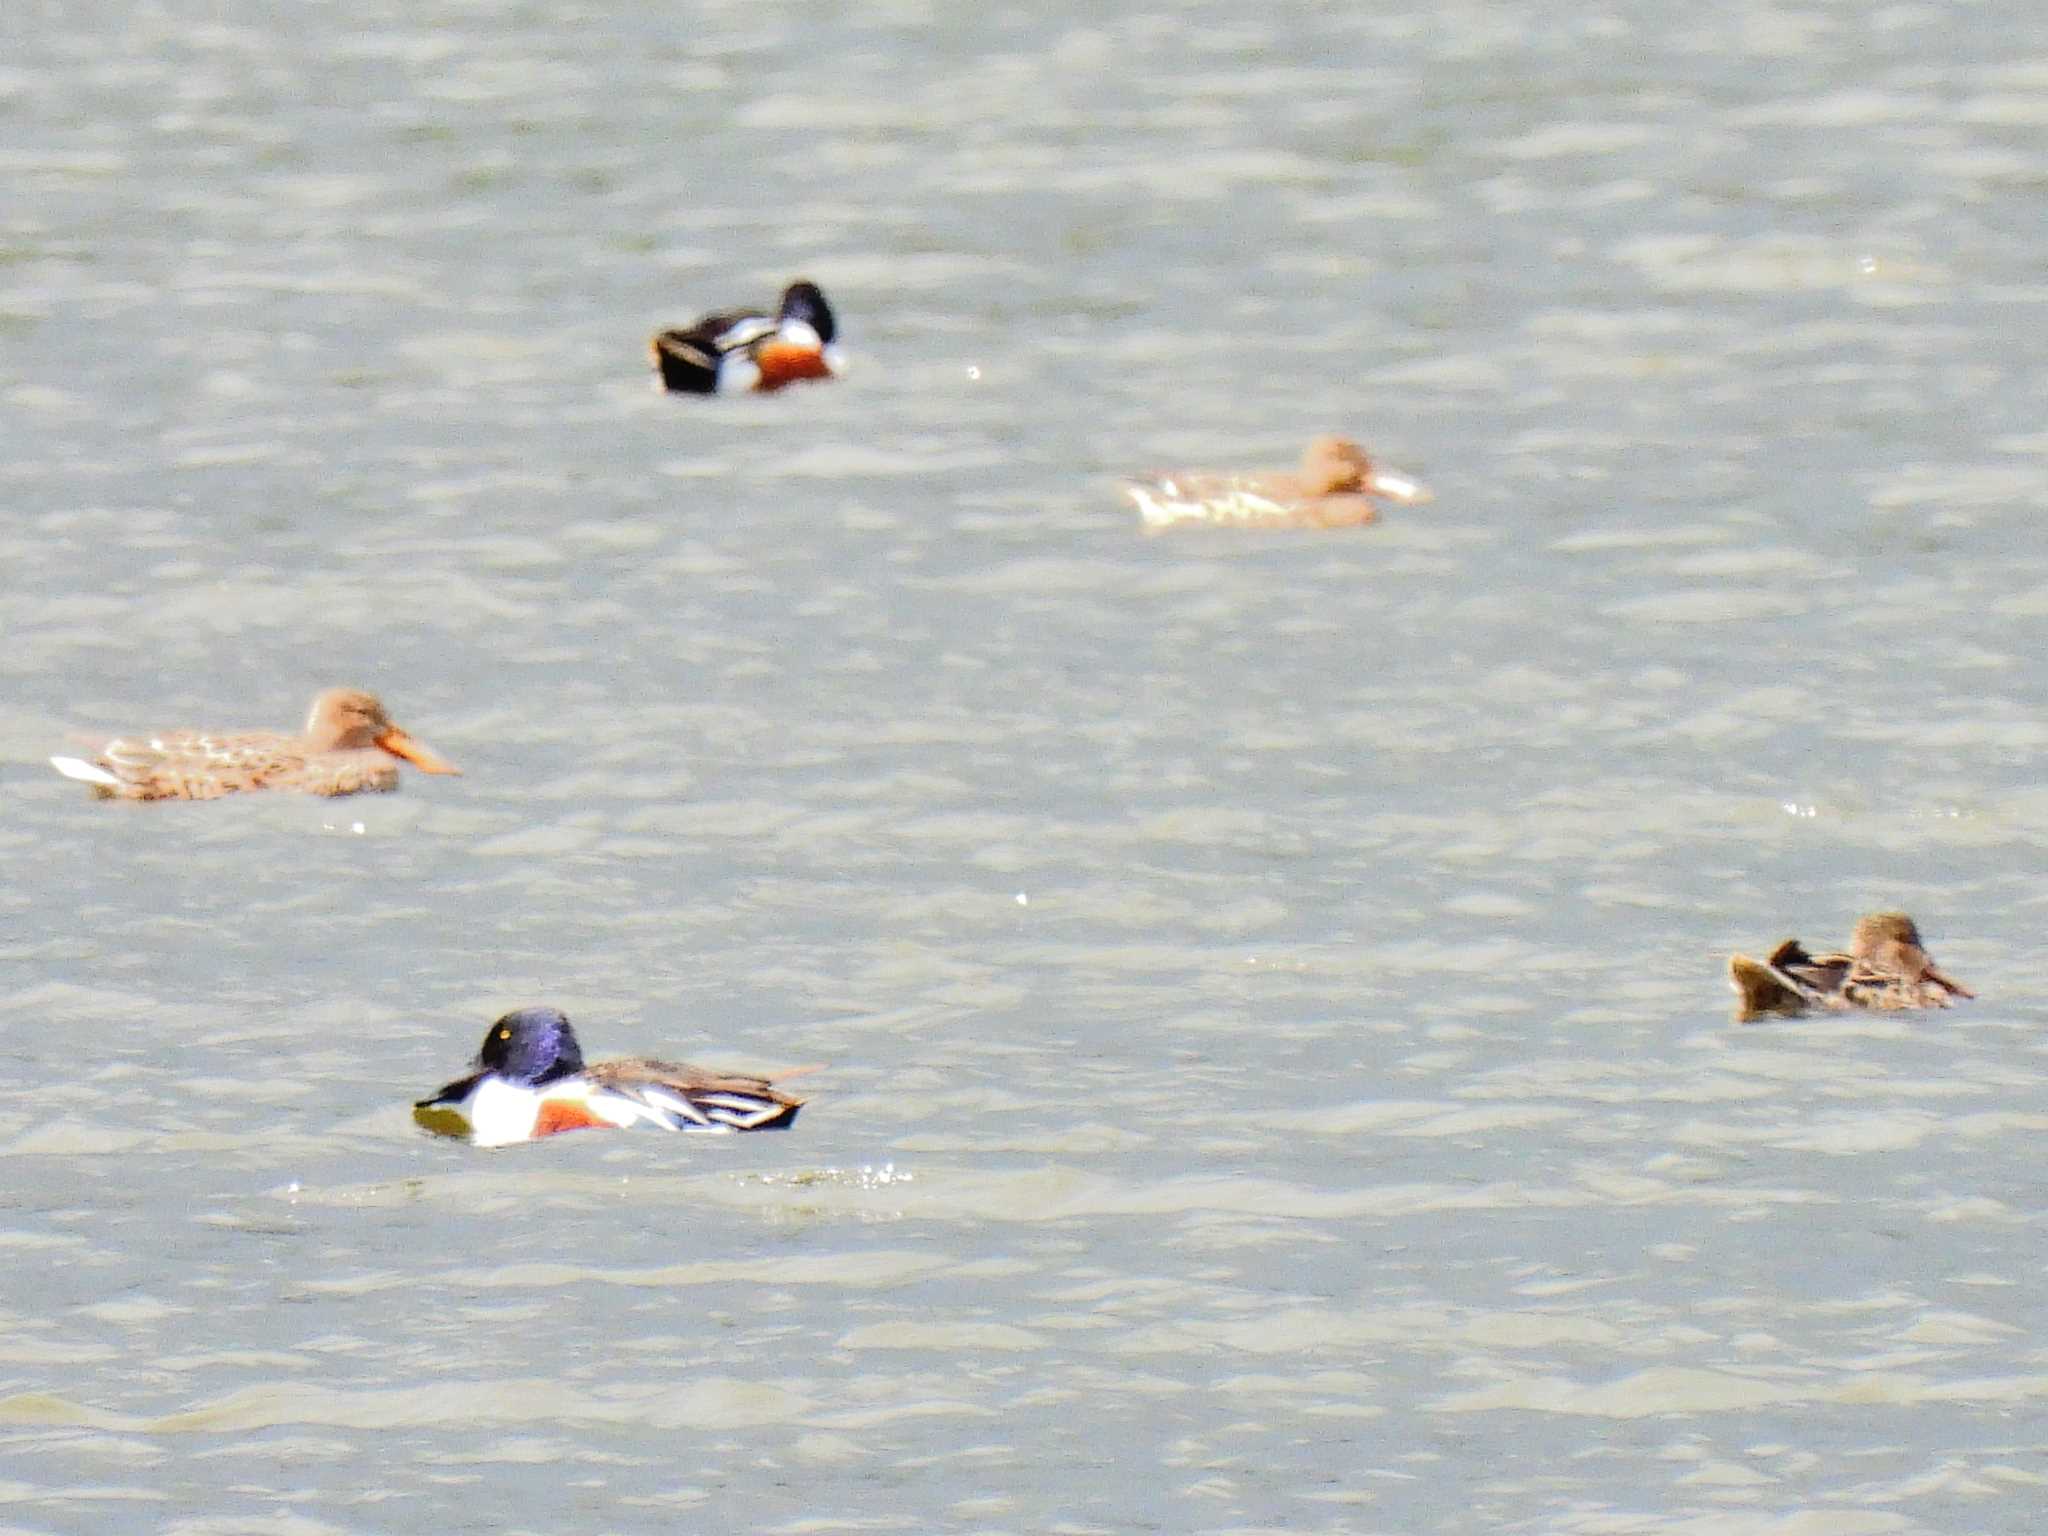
[[689, 1098], [251, 755], [730, 329], [1823, 974], [1205, 497], [191, 765], [1885, 989]]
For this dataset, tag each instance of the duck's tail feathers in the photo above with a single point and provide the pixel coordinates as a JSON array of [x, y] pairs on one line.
[[1764, 990], [86, 773]]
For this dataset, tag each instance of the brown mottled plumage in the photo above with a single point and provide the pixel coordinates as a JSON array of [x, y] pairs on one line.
[[1333, 488], [1884, 969], [349, 745]]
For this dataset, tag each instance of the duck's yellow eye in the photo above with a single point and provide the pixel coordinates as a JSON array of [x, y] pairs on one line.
[[504, 1034]]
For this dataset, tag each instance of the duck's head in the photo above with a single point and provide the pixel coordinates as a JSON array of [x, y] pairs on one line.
[[1337, 466], [1879, 929], [803, 303], [531, 1046], [1334, 465], [350, 720], [801, 347]]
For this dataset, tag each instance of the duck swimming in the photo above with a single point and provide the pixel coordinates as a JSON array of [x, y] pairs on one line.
[[532, 1081], [349, 745], [1335, 487], [744, 349], [1886, 968]]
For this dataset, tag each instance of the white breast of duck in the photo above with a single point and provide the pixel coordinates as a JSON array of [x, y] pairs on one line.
[[501, 1113]]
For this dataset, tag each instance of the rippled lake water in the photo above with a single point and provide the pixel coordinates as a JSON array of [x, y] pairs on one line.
[[1277, 1072]]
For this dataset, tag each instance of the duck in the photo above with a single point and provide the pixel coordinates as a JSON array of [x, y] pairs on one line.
[[349, 745], [736, 350], [531, 1081], [1885, 968], [1336, 486]]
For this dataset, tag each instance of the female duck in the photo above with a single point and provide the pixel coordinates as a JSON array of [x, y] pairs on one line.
[[349, 745], [1884, 969], [1334, 488]]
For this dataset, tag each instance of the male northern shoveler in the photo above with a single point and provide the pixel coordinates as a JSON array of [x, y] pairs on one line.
[[1884, 969], [1334, 488], [531, 1081], [742, 349], [349, 744]]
